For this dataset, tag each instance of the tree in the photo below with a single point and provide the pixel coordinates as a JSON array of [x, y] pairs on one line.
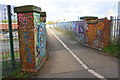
[[50, 22], [4, 21]]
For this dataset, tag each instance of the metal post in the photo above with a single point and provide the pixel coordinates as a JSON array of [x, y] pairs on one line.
[[119, 30], [11, 36], [111, 29]]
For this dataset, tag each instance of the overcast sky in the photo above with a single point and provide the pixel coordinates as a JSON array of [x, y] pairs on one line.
[[69, 10]]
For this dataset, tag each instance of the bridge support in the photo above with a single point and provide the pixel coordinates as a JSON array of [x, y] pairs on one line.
[[32, 37]]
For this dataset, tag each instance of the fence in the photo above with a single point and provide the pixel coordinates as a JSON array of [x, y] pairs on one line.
[[9, 45], [115, 30], [94, 33], [22, 44]]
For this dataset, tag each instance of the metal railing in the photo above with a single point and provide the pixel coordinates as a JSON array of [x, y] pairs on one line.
[[115, 30], [9, 45]]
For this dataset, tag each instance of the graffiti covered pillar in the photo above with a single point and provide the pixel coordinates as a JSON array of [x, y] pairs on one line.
[[41, 40], [29, 41]]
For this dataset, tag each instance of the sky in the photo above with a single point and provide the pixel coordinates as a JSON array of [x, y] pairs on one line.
[[71, 10]]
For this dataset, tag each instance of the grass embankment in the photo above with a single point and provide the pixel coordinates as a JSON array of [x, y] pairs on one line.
[[113, 49]]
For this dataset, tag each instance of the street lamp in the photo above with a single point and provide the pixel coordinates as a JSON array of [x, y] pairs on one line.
[[119, 8]]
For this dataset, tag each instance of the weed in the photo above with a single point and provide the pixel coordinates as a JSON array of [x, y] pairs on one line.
[[113, 49]]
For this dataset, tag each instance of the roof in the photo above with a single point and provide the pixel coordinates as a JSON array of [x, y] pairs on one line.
[[5, 26]]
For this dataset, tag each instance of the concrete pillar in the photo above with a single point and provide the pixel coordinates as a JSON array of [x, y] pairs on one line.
[[31, 39]]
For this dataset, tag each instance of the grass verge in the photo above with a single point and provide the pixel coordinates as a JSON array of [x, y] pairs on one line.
[[8, 55], [113, 49]]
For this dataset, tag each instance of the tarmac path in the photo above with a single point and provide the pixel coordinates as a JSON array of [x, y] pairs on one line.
[[71, 59]]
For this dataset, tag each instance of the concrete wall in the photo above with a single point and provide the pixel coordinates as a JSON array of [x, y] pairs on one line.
[[95, 34]]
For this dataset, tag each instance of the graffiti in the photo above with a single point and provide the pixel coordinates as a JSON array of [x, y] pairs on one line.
[[36, 19], [106, 33], [95, 33], [40, 38], [25, 45], [36, 30], [98, 40], [91, 33], [80, 31], [26, 36], [25, 20], [32, 37]]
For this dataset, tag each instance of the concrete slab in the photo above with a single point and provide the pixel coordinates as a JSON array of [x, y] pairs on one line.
[[62, 61], [104, 64], [53, 44], [75, 74], [94, 60], [108, 71]]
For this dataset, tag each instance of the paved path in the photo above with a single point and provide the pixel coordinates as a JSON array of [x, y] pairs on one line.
[[62, 64]]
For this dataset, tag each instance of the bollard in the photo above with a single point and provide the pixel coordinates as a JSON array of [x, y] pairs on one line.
[[32, 37]]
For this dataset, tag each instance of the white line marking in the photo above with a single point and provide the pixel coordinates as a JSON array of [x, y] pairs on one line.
[[95, 73], [80, 61], [73, 42]]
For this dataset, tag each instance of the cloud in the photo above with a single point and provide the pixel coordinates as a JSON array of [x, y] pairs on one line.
[[74, 8], [110, 12], [68, 9]]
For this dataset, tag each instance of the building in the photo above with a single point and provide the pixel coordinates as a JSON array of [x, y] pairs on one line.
[[5, 29]]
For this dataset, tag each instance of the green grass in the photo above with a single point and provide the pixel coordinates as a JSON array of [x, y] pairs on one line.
[[21, 74], [7, 39], [8, 55], [8, 68], [14, 73], [113, 49], [17, 73], [24, 74]]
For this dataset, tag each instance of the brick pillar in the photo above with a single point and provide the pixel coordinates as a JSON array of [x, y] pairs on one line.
[[29, 40]]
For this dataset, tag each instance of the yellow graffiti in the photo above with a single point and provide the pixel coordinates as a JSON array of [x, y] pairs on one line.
[[100, 25], [91, 33]]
